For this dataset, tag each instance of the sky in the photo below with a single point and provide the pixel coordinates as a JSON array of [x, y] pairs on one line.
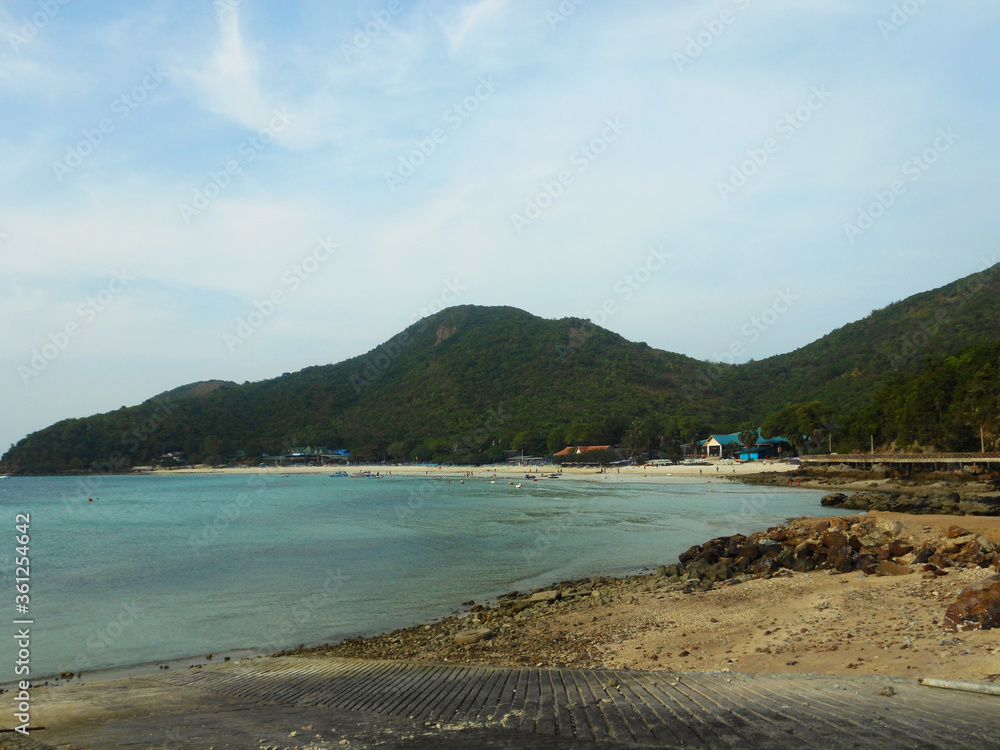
[[237, 189]]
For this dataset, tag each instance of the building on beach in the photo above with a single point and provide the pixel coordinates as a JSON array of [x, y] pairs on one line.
[[310, 456], [729, 446]]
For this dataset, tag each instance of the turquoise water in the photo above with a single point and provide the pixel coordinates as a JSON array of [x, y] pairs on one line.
[[164, 567]]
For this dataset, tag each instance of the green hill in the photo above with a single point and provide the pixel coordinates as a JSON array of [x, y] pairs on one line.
[[845, 367], [468, 382], [457, 383]]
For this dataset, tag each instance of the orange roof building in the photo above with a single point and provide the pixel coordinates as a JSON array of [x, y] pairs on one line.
[[578, 449]]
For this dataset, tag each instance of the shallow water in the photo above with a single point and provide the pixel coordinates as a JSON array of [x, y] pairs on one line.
[[164, 567]]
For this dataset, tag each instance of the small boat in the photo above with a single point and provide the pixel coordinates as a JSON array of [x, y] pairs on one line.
[[339, 474], [493, 481], [529, 476], [518, 485]]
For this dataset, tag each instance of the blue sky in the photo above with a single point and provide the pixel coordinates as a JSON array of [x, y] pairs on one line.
[[745, 174]]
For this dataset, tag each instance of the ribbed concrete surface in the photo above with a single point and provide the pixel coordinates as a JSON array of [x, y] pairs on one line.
[[658, 709]]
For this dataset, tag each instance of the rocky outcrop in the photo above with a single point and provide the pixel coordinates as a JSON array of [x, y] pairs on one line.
[[871, 546], [949, 504], [977, 608]]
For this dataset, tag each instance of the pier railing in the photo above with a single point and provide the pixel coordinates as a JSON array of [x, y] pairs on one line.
[[903, 458]]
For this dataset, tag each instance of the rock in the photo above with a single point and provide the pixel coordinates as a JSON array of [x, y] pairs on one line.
[[834, 540], [971, 555], [955, 544], [833, 500], [544, 596], [940, 560], [473, 636], [975, 609], [689, 554], [899, 548], [955, 531], [889, 568], [985, 544]]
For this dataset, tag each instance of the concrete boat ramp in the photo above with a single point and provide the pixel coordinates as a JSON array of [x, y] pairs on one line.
[[335, 703]]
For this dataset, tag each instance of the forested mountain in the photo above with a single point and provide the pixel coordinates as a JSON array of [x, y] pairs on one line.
[[845, 367], [468, 382]]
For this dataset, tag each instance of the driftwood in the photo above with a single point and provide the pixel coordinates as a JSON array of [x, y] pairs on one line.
[[971, 687]]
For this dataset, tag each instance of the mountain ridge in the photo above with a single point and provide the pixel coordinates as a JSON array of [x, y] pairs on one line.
[[470, 381]]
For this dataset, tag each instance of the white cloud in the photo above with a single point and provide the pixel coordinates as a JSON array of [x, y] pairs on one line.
[[469, 20], [228, 82]]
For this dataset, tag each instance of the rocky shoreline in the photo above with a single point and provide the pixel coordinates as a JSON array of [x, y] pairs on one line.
[[943, 493], [950, 504], [679, 617]]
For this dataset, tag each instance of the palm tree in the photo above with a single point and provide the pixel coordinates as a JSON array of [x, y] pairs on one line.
[[748, 435]]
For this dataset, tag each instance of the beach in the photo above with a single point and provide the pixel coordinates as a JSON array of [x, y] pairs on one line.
[[799, 623], [834, 630], [625, 473]]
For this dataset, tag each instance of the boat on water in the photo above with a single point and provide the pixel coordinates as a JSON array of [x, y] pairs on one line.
[[339, 474]]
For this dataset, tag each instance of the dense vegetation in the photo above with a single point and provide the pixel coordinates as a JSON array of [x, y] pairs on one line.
[[950, 404], [468, 383], [845, 367]]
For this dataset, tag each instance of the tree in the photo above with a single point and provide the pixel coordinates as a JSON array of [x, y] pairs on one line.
[[748, 435], [635, 438], [797, 422], [581, 433]]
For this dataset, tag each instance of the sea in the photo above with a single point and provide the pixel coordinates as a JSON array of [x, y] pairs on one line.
[[144, 570]]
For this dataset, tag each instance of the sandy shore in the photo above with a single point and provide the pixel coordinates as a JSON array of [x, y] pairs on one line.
[[628, 473], [816, 622]]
